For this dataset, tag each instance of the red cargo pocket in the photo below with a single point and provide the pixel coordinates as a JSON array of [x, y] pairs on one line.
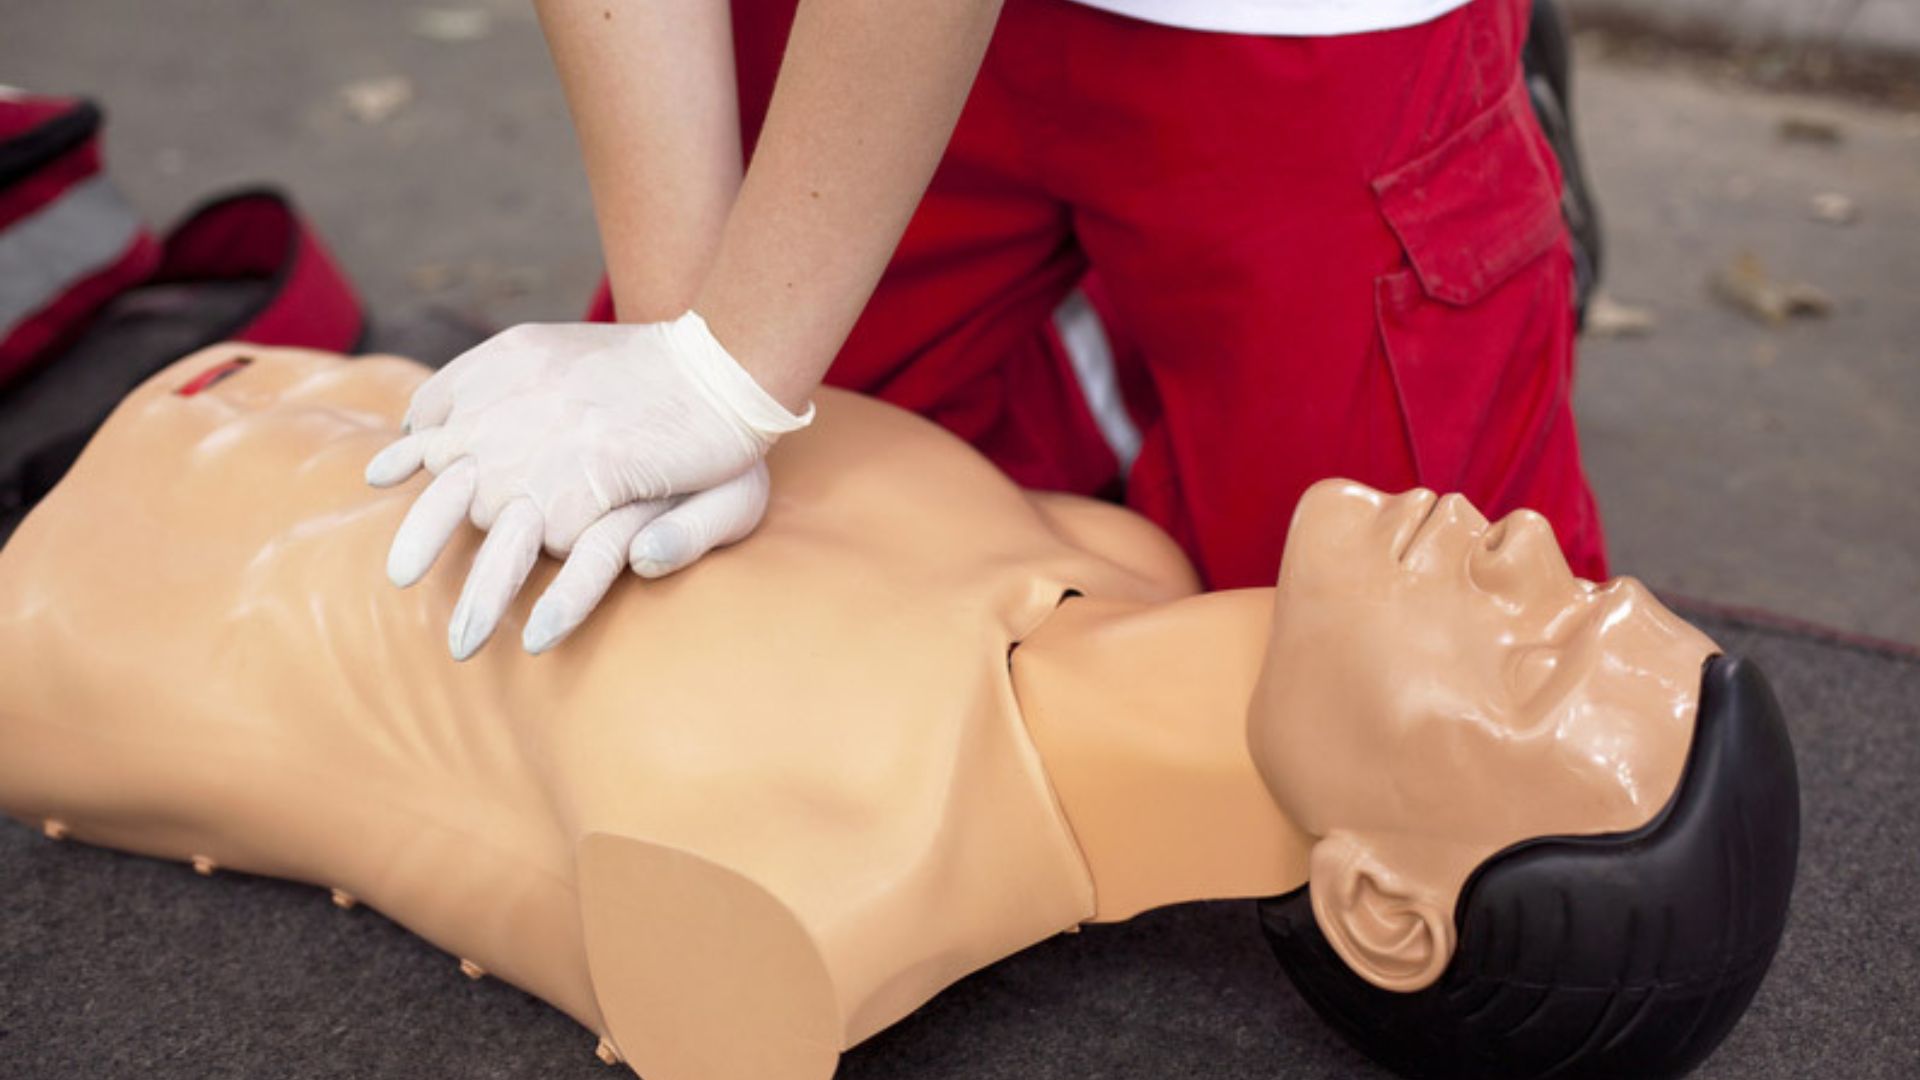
[[1467, 323]]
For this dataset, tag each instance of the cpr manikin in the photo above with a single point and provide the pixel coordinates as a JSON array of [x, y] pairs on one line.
[[753, 813]]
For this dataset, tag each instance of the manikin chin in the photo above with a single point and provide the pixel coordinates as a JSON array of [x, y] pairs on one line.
[[754, 813]]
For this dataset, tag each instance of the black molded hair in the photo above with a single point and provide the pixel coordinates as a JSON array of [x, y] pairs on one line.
[[1625, 955]]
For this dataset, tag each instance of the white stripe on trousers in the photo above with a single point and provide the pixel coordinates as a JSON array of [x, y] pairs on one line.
[[1090, 351]]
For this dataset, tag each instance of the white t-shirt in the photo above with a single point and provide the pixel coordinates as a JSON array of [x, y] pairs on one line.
[[1287, 18]]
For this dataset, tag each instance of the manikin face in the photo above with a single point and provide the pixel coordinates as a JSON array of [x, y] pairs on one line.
[[1438, 687]]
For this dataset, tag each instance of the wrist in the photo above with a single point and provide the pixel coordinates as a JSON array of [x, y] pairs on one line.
[[731, 385], [767, 338]]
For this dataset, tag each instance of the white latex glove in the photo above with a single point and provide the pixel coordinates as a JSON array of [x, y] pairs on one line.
[[539, 432]]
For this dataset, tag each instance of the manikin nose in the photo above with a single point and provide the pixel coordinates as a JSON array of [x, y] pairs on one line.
[[1518, 553], [1442, 534]]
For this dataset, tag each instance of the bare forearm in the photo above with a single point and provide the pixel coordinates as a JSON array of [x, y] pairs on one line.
[[651, 89], [867, 98]]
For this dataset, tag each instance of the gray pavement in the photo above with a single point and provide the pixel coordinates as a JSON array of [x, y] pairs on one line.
[[1736, 462], [1889, 28], [467, 193]]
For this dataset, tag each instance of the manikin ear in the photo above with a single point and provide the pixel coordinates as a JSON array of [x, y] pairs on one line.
[[1391, 931]]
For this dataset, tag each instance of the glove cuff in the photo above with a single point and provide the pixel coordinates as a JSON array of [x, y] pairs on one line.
[[731, 386]]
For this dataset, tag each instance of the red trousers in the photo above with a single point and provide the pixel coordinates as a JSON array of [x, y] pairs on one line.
[[1315, 256]]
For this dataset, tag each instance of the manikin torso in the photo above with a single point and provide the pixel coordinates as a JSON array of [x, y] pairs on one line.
[[832, 719], [755, 812]]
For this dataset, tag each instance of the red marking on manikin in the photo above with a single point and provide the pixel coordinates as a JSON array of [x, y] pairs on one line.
[[213, 375]]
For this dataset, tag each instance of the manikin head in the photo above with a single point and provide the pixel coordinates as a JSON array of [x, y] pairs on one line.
[[1463, 724]]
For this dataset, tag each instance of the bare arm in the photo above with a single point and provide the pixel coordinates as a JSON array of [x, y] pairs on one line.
[[651, 90], [867, 98]]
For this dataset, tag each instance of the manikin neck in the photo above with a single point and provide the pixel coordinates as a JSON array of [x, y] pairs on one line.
[[1140, 714]]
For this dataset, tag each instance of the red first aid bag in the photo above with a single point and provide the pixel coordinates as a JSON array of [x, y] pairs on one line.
[[68, 241]]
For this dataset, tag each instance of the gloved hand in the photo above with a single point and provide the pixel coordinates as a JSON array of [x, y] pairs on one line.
[[541, 431], [656, 538]]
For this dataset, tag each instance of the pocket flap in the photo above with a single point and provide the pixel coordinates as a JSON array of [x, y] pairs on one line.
[[1479, 206]]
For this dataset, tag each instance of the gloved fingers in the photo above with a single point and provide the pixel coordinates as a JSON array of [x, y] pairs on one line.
[[430, 523], [399, 460], [491, 497], [576, 488], [598, 559], [442, 445], [501, 567], [699, 523], [572, 498], [432, 401]]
